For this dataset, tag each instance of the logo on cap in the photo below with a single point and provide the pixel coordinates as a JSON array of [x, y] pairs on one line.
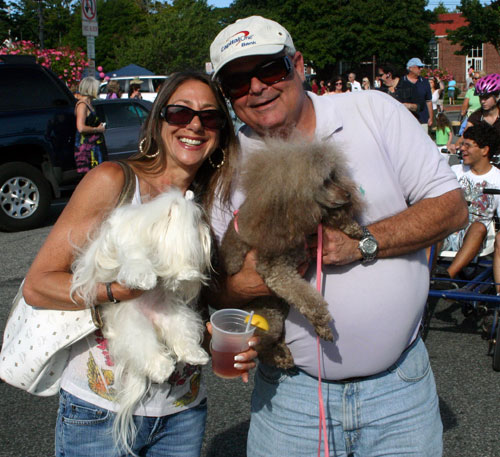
[[241, 37]]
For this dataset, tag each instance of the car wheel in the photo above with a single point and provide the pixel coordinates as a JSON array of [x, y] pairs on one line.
[[24, 197]]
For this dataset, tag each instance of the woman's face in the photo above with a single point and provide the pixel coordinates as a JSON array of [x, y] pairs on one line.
[[431, 82], [189, 145], [338, 86]]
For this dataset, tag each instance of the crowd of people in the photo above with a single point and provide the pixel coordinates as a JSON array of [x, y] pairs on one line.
[[378, 388]]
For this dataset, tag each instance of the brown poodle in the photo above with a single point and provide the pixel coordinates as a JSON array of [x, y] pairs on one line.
[[290, 188]]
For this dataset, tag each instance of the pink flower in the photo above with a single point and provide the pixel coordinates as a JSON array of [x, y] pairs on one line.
[[99, 68]]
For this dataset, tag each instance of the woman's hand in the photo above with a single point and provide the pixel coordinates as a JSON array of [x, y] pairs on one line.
[[244, 361]]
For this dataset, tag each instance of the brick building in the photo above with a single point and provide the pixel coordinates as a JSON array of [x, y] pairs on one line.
[[484, 57]]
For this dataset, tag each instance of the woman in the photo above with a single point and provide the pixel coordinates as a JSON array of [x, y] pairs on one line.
[[471, 101], [134, 90], [339, 85], [90, 149], [365, 84], [114, 90], [188, 142], [436, 92]]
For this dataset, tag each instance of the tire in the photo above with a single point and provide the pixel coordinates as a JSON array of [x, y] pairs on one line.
[[496, 349], [25, 197]]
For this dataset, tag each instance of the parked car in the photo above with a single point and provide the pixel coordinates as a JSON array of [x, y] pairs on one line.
[[124, 119], [37, 135], [149, 87]]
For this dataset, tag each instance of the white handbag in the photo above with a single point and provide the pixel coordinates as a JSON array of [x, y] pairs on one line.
[[36, 341], [36, 345]]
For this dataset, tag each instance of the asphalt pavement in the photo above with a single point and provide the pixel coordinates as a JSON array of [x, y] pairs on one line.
[[469, 390]]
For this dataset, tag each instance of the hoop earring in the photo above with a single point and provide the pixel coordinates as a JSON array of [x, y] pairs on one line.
[[218, 165], [141, 150]]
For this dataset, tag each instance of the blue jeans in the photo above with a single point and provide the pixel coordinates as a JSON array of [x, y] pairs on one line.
[[85, 430], [394, 413]]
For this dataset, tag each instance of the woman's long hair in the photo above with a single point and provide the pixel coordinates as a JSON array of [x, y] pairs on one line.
[[208, 179]]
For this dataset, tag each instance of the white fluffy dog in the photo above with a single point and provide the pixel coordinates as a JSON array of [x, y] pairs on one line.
[[162, 247]]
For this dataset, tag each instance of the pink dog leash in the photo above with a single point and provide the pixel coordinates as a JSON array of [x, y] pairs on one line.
[[322, 418]]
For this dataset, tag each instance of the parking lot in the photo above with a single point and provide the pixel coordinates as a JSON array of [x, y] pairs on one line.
[[469, 390]]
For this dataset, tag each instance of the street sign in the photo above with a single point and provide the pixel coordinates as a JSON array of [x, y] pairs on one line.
[[89, 18]]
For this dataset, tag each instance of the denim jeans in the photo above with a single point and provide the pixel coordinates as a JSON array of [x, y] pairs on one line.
[[85, 430], [394, 413]]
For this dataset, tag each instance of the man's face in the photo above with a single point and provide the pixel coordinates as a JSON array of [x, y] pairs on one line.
[[351, 77], [385, 77], [414, 70], [268, 108], [472, 154]]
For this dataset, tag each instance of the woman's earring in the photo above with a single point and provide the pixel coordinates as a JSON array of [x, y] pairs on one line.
[[218, 165], [141, 150]]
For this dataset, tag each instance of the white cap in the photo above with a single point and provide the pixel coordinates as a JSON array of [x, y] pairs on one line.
[[251, 36]]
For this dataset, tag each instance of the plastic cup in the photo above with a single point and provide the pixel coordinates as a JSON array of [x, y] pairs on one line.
[[229, 337]]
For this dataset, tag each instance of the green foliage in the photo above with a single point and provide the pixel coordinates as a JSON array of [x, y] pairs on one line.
[[484, 26], [177, 37], [329, 31]]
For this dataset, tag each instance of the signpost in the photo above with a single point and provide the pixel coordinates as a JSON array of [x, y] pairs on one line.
[[90, 29]]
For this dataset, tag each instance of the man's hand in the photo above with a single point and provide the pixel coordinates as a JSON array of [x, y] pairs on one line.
[[338, 248]]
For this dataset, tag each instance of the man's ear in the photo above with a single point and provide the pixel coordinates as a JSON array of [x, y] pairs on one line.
[[298, 64], [486, 150]]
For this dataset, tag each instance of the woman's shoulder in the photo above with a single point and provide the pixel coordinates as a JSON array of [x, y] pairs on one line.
[[106, 180]]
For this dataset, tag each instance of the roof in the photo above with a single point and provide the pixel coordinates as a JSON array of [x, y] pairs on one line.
[[448, 21], [129, 70]]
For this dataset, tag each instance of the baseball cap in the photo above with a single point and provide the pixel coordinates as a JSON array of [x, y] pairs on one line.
[[414, 61], [251, 36]]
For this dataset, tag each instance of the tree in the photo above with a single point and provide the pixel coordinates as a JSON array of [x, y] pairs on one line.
[[329, 31], [483, 27], [440, 9], [5, 23], [177, 38]]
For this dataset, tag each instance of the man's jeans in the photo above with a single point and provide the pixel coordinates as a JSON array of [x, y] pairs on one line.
[[394, 413]]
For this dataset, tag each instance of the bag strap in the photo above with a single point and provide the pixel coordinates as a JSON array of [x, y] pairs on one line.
[[128, 189]]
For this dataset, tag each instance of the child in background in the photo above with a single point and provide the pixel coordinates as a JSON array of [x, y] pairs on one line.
[[444, 132]]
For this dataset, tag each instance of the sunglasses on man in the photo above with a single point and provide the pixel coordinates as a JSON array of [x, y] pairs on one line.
[[183, 115], [236, 85]]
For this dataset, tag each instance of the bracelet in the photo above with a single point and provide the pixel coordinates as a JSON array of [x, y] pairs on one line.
[[111, 298]]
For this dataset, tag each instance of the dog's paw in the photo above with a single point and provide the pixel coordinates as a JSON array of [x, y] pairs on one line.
[[137, 279], [324, 332], [194, 356], [160, 368]]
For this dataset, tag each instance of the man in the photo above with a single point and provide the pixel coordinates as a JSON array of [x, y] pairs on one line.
[[425, 113], [401, 89], [480, 142], [355, 85], [379, 392]]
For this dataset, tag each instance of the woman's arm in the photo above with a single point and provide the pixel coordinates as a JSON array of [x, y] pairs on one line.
[[48, 280], [82, 111]]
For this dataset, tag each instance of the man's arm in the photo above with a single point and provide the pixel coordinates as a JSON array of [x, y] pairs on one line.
[[421, 225], [431, 113]]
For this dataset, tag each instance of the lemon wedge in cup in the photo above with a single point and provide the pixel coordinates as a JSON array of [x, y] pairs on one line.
[[259, 322]]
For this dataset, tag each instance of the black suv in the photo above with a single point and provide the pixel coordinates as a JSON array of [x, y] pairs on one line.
[[37, 134]]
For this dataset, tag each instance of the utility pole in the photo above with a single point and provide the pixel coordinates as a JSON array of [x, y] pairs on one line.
[[40, 24]]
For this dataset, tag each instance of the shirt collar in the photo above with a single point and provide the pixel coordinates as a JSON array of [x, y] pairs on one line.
[[328, 118]]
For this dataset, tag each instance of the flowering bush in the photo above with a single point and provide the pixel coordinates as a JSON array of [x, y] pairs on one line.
[[443, 75], [65, 62]]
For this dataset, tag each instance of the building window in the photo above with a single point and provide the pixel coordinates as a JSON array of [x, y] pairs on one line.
[[434, 53], [475, 58]]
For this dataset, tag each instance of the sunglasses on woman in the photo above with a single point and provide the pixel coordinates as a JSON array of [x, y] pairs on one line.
[[236, 85], [183, 115]]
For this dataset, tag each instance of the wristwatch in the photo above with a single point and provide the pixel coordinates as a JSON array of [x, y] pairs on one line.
[[368, 246]]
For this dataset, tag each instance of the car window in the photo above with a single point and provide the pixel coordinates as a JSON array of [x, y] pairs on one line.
[[140, 111], [21, 89], [119, 115]]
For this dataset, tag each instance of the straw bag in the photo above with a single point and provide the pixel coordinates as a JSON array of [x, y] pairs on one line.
[[37, 341]]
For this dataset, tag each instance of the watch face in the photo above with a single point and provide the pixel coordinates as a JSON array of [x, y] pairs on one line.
[[370, 246]]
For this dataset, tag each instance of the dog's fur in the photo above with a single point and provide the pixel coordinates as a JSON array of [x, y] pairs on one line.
[[290, 188], [162, 247]]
